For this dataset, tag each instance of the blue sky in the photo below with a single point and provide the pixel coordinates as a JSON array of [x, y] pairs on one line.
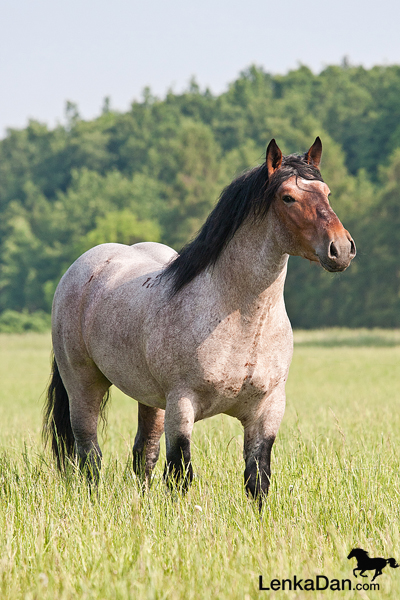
[[82, 51]]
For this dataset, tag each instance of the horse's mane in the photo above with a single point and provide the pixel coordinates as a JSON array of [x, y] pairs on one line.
[[250, 195], [360, 551]]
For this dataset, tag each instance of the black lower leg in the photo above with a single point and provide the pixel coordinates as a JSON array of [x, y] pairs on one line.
[[139, 458], [178, 469], [89, 462], [258, 471], [145, 457], [146, 448]]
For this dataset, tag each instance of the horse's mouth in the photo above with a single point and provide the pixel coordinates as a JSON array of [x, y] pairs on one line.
[[333, 267]]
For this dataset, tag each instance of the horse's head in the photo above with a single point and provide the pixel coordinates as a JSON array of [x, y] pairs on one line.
[[306, 224], [357, 552]]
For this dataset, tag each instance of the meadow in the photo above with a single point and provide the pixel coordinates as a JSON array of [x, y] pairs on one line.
[[335, 486]]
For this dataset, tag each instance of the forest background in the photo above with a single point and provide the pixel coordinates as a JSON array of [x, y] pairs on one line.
[[156, 171]]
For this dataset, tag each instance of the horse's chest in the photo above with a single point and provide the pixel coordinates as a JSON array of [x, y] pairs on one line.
[[239, 364], [233, 378]]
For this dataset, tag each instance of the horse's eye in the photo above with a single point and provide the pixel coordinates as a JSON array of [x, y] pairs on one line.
[[288, 199]]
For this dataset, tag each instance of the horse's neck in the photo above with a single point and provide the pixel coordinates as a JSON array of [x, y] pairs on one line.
[[251, 271]]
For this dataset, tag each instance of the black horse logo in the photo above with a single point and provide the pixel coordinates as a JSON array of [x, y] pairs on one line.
[[365, 563]]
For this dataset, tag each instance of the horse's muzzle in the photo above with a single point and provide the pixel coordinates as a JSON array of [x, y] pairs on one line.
[[338, 254]]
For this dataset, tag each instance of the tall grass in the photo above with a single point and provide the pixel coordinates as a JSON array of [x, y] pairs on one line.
[[335, 486]]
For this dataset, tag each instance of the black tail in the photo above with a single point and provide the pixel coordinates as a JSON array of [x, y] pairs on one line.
[[57, 423], [392, 563]]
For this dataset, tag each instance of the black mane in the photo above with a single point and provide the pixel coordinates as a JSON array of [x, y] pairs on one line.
[[250, 194]]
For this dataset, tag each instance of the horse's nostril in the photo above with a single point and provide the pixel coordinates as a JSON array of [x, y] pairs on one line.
[[352, 248], [333, 253]]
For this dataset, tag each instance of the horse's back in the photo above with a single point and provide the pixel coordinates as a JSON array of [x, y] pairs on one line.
[[107, 261], [137, 258], [158, 252]]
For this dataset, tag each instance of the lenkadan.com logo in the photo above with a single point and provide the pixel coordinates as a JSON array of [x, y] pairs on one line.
[[321, 582]]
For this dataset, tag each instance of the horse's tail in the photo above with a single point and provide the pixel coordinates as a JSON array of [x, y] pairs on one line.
[[56, 422], [392, 563]]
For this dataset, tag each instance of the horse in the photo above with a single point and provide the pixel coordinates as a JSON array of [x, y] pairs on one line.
[[365, 563], [194, 334]]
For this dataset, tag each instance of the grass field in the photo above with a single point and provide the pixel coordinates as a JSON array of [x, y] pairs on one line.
[[335, 486]]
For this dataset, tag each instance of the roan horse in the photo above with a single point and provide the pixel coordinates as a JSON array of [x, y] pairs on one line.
[[193, 335]]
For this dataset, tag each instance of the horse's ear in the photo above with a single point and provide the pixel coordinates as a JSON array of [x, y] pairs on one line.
[[313, 156], [273, 157]]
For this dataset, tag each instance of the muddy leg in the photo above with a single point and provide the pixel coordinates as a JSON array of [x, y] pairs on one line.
[[260, 431], [147, 441], [257, 474], [85, 397], [179, 420]]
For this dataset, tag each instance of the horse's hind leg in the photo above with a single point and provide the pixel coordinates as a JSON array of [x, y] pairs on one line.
[[86, 389], [147, 441]]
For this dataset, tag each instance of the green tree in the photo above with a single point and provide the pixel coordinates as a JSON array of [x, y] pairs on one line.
[[122, 227], [156, 171], [380, 273], [188, 165]]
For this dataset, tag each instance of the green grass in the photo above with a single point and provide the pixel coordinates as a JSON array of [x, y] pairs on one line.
[[335, 486]]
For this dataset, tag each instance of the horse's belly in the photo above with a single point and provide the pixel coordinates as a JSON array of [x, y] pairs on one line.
[[144, 390], [125, 366]]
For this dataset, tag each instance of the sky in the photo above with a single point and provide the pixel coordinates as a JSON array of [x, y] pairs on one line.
[[85, 50]]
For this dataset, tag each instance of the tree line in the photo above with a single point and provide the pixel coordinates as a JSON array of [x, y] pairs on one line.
[[156, 171]]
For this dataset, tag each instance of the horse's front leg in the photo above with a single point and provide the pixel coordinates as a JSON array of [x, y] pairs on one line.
[[178, 426], [260, 430]]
